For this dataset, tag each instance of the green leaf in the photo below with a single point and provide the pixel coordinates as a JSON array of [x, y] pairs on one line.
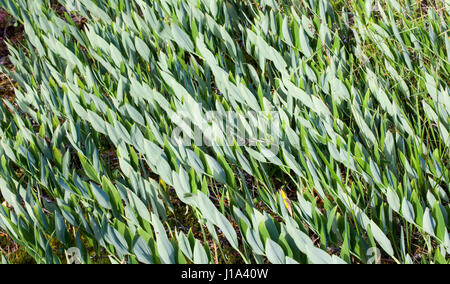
[[339, 90], [142, 251], [318, 256], [428, 222], [216, 170], [88, 169], [139, 206], [142, 48], [184, 245], [286, 33], [392, 199], [304, 43], [227, 229], [441, 227], [165, 248], [200, 256], [101, 196], [182, 39], [381, 238], [274, 252]]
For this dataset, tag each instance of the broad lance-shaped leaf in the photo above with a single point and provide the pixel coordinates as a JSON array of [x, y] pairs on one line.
[[195, 161], [60, 228], [304, 43], [184, 245], [182, 38], [431, 86], [210, 212], [139, 206], [90, 171], [428, 222], [408, 211], [381, 238], [369, 8], [255, 242], [216, 170], [227, 229], [213, 7], [142, 48], [200, 256], [308, 26], [97, 122], [117, 240], [375, 172], [393, 199], [291, 260], [339, 90], [116, 55], [441, 220], [274, 252], [165, 249], [142, 251], [135, 115], [101, 196], [318, 256], [286, 33], [365, 130]]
